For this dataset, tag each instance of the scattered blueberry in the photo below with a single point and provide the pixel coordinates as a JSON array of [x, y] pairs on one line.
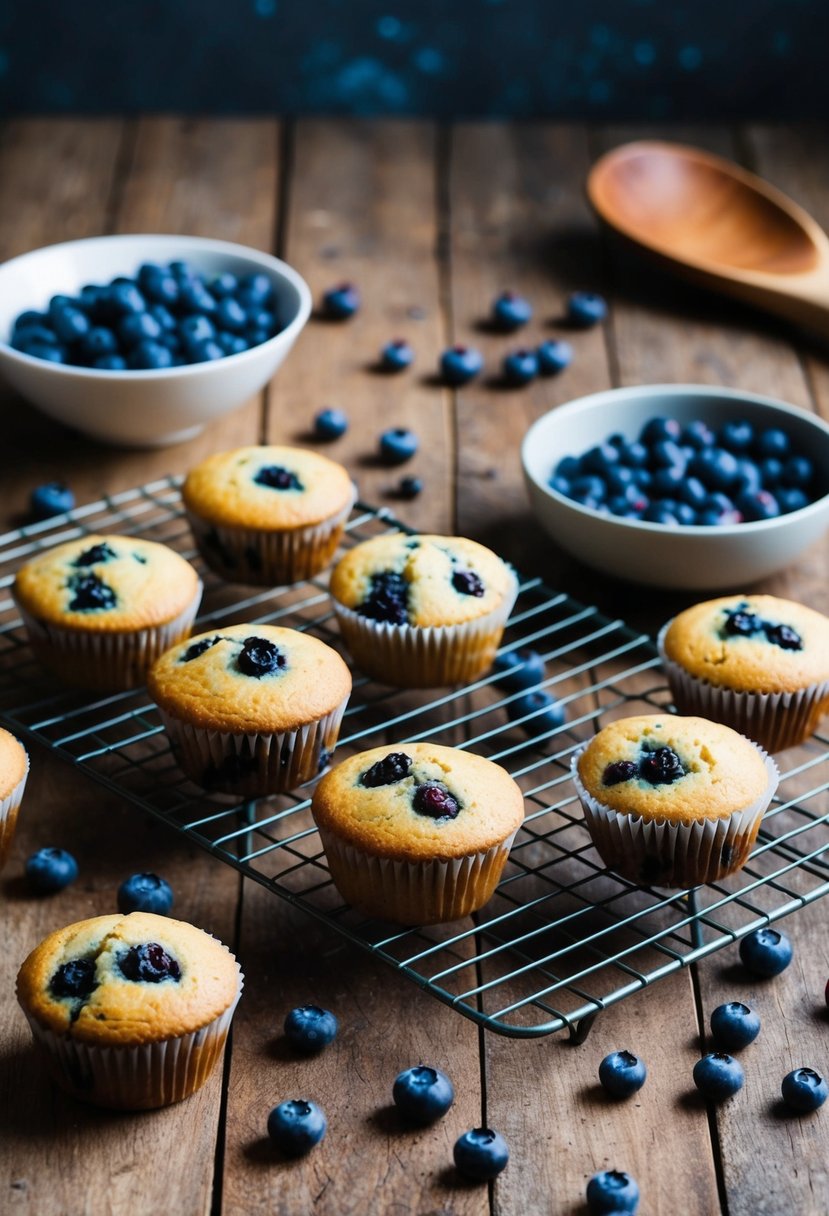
[[341, 302], [520, 367], [51, 499], [553, 356], [586, 308], [50, 870], [396, 355], [543, 712], [145, 893], [804, 1089], [309, 1028], [460, 364], [398, 445], [330, 424], [510, 311], [766, 952], [296, 1127], [480, 1154], [423, 1094], [409, 487], [612, 1191], [734, 1026], [622, 1073], [718, 1075], [518, 669]]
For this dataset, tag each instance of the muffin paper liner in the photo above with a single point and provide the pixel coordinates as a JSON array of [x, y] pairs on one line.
[[269, 558], [428, 656], [659, 853], [253, 765], [9, 808], [775, 720], [414, 893], [139, 1077], [106, 661]]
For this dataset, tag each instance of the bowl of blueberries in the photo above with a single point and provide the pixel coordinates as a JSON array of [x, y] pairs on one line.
[[143, 340], [683, 486]]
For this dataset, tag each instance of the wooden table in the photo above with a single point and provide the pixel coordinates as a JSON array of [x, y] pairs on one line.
[[431, 223]]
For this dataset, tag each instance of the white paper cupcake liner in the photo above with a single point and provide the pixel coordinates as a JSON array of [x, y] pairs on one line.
[[253, 765], [414, 893], [659, 853], [774, 720], [266, 558], [9, 808], [106, 661], [139, 1077], [429, 656]]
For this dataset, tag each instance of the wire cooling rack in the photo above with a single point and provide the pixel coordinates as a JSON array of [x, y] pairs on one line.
[[562, 938]]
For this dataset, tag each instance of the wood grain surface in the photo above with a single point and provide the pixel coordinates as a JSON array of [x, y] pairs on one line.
[[430, 224]]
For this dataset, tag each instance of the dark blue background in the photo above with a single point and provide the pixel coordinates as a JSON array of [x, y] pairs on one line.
[[596, 59]]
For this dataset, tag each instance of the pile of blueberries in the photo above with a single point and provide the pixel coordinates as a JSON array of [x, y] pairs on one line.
[[167, 316], [680, 475]]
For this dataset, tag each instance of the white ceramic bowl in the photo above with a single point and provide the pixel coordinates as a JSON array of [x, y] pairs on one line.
[[692, 558], [141, 408]]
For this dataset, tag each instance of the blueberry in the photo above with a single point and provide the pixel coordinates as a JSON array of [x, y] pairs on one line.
[[224, 285], [110, 363], [231, 344], [297, 1126], [398, 445], [612, 1191], [309, 1028], [737, 436], [260, 657], [543, 712], [161, 288], [773, 442], [510, 311], [196, 328], [261, 320], [148, 355], [480, 1154], [662, 766], [75, 979], [734, 1026], [164, 317], [42, 350], [330, 424], [766, 952], [29, 318], [148, 963], [70, 324], [657, 430], [230, 315], [697, 434], [634, 454], [718, 1076], [761, 504], [423, 1094], [661, 512], [586, 308], [797, 471], [193, 297], [434, 800], [50, 870], [123, 298], [771, 471], [590, 491], [568, 467], [393, 767], [257, 286], [600, 459], [136, 326], [99, 341], [668, 482], [467, 582], [790, 499], [409, 487], [748, 476], [518, 669], [206, 352], [684, 513], [387, 600], [257, 336], [783, 636], [34, 335], [145, 893], [715, 467], [804, 1089], [667, 454], [90, 593], [396, 355], [622, 1073], [460, 364], [181, 270], [620, 770], [59, 304], [50, 499], [341, 302]]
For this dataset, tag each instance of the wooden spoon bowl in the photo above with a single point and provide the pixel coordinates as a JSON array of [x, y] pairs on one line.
[[717, 224]]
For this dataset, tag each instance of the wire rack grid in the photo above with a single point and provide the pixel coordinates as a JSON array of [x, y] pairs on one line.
[[563, 938]]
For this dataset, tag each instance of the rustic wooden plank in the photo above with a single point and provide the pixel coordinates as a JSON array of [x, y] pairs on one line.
[[164, 1161], [527, 228], [362, 208], [204, 178], [364, 211]]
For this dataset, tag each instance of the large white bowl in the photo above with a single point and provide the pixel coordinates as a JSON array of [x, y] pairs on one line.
[[692, 558], [142, 408]]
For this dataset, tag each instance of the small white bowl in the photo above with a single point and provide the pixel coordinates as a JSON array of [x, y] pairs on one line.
[[141, 408], [692, 557]]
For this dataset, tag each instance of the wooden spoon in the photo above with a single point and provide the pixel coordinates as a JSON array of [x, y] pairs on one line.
[[718, 225]]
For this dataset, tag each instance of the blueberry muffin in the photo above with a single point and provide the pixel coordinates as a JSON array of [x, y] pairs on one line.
[[673, 802], [131, 1012], [268, 515], [422, 611], [417, 833], [251, 709], [100, 609], [754, 662], [14, 769]]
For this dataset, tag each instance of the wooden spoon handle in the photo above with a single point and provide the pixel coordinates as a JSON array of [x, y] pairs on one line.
[[803, 300]]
